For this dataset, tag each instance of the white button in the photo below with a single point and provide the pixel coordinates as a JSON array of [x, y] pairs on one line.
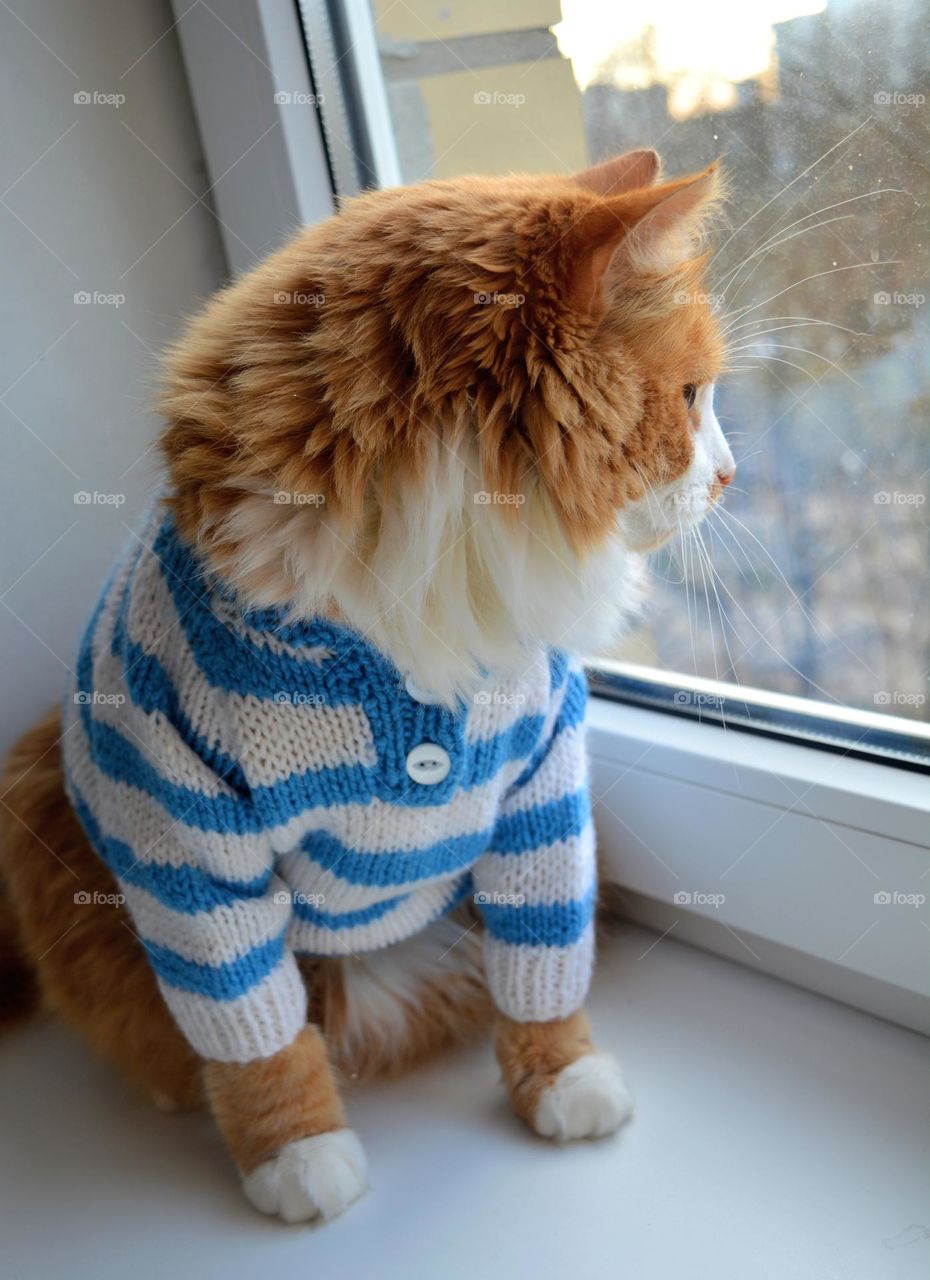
[[419, 694], [428, 763]]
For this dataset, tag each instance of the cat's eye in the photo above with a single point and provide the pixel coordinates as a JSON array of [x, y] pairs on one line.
[[689, 391]]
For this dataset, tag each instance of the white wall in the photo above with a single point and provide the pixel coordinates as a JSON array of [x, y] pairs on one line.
[[84, 206]]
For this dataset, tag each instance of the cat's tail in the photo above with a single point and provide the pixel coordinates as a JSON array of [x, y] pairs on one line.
[[30, 784], [19, 988]]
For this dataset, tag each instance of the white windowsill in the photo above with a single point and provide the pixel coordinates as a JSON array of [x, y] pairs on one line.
[[777, 1134], [797, 840]]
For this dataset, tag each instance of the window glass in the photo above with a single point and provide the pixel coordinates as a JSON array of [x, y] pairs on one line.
[[813, 578]]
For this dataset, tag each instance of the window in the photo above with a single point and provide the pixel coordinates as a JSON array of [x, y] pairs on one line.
[[811, 581], [815, 862]]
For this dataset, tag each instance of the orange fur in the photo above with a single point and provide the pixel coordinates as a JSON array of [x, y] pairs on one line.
[[91, 970], [444, 1014], [261, 1106], [90, 966], [329, 371], [342, 357], [531, 1055]]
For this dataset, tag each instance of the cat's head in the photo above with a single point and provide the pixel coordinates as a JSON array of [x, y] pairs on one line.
[[453, 413]]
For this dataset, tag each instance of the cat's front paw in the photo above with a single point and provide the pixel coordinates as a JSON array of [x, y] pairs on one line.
[[587, 1099], [315, 1177]]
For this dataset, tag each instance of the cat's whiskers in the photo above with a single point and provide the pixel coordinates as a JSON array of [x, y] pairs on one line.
[[817, 275], [659, 531], [815, 213], [784, 346], [788, 185], [760, 355], [695, 541], [716, 531], [828, 697], [712, 569], [766, 249], [775, 565], [803, 322], [686, 578]]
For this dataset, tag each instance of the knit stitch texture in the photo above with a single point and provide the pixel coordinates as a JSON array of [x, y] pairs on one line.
[[245, 779]]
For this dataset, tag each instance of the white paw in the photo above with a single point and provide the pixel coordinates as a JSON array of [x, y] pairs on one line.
[[588, 1099], [314, 1178]]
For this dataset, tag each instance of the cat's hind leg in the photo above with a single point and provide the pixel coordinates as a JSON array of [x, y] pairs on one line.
[[74, 938]]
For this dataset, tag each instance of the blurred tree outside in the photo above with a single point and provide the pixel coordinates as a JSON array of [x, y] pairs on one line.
[[822, 550]]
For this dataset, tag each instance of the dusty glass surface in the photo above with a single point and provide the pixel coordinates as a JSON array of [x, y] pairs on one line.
[[814, 576]]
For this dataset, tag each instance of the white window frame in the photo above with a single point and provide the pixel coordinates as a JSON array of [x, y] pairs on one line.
[[798, 840]]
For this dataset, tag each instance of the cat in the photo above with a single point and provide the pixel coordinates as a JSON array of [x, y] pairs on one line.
[[419, 452]]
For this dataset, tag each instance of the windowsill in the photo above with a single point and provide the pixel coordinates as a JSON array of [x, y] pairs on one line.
[[797, 841], [723, 1063]]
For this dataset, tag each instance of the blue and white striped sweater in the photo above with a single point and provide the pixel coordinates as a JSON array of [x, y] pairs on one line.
[[246, 780]]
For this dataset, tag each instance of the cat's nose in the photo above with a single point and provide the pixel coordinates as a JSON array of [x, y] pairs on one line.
[[725, 475]]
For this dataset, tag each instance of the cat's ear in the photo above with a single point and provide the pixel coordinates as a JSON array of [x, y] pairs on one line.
[[622, 173], [654, 228], [667, 234]]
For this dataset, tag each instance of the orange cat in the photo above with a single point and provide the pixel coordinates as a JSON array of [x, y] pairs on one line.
[[319, 801]]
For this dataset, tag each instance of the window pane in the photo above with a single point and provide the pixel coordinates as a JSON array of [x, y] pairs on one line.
[[814, 577]]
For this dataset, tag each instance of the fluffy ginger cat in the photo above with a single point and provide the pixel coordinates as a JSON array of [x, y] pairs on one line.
[[319, 804]]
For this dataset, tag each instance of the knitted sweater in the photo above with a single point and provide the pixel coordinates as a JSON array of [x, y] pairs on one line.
[[262, 788]]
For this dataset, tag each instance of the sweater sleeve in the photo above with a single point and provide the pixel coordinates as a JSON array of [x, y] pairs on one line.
[[177, 827], [536, 885]]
